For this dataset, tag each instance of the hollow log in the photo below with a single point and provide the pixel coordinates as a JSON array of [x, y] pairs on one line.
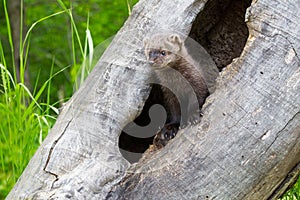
[[247, 144]]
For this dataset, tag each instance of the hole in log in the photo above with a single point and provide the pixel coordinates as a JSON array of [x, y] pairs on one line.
[[132, 147], [221, 29]]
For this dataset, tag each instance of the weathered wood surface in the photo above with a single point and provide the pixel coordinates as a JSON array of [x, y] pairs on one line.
[[244, 147], [80, 158]]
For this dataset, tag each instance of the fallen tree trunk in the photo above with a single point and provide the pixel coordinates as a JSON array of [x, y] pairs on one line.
[[247, 145]]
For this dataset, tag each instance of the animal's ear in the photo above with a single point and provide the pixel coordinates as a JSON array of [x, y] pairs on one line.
[[146, 41], [176, 42], [174, 38]]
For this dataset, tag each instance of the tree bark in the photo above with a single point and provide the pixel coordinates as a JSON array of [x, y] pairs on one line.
[[247, 145]]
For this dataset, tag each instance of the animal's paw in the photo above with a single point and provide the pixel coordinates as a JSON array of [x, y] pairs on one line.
[[167, 133]]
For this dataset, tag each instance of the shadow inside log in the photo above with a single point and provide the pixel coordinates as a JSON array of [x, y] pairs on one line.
[[132, 147], [221, 29]]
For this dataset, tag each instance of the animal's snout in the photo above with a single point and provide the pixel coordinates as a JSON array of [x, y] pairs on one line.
[[153, 55]]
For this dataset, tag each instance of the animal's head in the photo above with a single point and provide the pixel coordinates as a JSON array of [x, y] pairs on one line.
[[162, 49]]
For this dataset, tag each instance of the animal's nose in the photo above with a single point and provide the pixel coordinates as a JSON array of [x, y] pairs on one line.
[[153, 55]]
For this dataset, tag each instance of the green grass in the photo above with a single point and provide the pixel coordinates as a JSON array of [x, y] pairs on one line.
[[25, 118], [293, 193], [21, 132]]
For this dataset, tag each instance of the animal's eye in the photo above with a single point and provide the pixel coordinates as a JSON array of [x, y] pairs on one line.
[[163, 53]]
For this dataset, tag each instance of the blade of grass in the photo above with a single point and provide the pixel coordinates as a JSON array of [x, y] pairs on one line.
[[128, 7], [38, 95], [4, 75], [89, 41], [35, 88], [34, 101], [49, 86], [68, 11], [88, 49], [10, 37], [22, 67], [24, 46], [8, 74]]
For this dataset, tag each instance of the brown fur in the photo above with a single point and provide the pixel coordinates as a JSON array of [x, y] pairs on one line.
[[167, 53]]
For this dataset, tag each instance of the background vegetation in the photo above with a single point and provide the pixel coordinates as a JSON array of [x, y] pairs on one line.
[[56, 41], [58, 36]]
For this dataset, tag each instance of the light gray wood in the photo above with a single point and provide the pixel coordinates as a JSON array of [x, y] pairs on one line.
[[246, 144]]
